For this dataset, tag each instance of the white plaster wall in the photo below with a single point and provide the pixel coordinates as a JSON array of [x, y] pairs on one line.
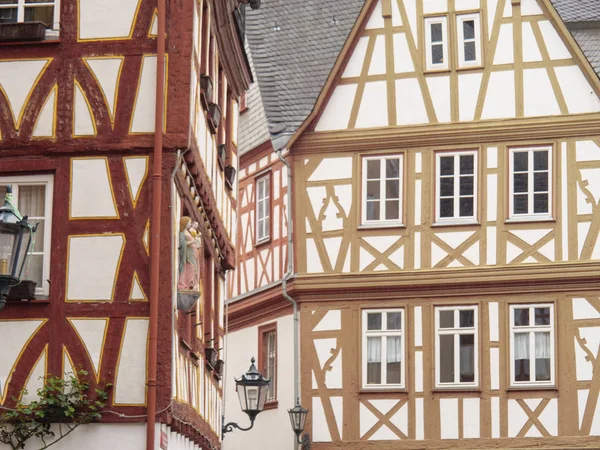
[[97, 20], [272, 429]]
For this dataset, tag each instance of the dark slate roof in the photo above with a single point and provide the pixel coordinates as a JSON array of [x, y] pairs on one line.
[[294, 45], [578, 10]]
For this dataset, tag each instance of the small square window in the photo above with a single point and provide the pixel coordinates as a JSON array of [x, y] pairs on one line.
[[382, 189], [456, 186], [530, 183], [468, 28], [456, 346], [532, 345], [436, 43], [383, 348]]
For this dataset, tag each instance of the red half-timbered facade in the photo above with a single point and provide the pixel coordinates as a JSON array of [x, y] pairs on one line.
[[77, 123]]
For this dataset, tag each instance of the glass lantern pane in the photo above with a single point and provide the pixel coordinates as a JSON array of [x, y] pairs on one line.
[[242, 396], [35, 270], [6, 251], [264, 391], [253, 399]]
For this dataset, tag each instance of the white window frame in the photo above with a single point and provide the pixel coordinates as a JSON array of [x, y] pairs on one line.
[[457, 331], [429, 65], [382, 197], [21, 5], [36, 180], [532, 329], [383, 333], [438, 175], [530, 192], [266, 201], [476, 18]]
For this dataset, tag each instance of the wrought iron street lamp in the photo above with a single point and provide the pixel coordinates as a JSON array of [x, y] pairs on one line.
[[252, 389], [298, 419], [16, 242]]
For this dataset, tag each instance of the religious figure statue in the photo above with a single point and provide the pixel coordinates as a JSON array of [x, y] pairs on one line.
[[188, 264]]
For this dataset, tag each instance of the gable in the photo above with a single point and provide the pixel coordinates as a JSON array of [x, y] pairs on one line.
[[527, 65]]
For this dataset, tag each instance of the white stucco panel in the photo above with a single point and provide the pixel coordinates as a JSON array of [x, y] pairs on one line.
[[439, 87], [530, 8], [336, 114], [516, 418], [468, 88], [376, 19], [587, 151], [83, 122], [332, 169], [130, 383], [582, 309], [449, 418], [549, 417], [555, 45], [410, 107], [144, 113], [136, 169], [313, 261], [92, 333], [435, 6], [36, 379], [107, 72], [495, 417], [356, 61], [366, 259], [505, 50], [91, 189], [402, 58], [494, 368], [330, 322], [378, 66], [500, 98], [579, 95], [410, 7], [367, 420], [491, 15], [317, 196], [92, 266], [464, 5], [373, 110], [471, 425], [531, 50], [97, 20], [332, 245], [45, 124], [539, 96]]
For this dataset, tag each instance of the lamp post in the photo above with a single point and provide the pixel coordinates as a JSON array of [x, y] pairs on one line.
[[252, 389], [16, 241], [298, 419]]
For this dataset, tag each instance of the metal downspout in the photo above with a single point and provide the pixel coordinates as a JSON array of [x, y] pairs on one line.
[[287, 276], [155, 230]]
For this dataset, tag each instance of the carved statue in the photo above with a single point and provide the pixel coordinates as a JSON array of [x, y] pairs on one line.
[[188, 265]]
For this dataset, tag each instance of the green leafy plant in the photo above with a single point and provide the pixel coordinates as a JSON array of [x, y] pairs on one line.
[[66, 403]]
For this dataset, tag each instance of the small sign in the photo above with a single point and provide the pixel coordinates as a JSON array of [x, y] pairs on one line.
[[164, 440]]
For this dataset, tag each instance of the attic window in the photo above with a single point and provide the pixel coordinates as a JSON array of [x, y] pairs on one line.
[[436, 39], [469, 40]]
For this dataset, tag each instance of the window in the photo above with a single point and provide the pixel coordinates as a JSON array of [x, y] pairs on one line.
[[267, 363], [263, 209], [469, 40], [383, 348], [456, 186], [33, 197], [436, 39], [530, 183], [46, 11], [456, 346], [532, 344], [382, 189]]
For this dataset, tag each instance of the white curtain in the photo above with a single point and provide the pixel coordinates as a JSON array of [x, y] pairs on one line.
[[542, 345], [521, 345], [374, 350], [394, 349]]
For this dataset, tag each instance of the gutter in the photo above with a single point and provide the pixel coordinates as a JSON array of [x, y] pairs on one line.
[[286, 278], [155, 230]]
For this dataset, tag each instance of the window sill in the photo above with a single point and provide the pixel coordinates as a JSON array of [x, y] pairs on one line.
[[532, 387], [456, 390], [455, 223], [382, 390], [263, 243], [271, 405], [467, 68], [530, 219], [437, 71], [53, 40], [39, 300], [378, 225]]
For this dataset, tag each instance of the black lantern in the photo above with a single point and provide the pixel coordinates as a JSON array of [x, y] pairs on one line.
[[16, 241], [252, 389], [298, 419]]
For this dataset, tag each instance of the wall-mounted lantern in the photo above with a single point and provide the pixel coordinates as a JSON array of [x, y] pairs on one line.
[[298, 419]]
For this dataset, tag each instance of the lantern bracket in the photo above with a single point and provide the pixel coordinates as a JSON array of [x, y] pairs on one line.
[[231, 425]]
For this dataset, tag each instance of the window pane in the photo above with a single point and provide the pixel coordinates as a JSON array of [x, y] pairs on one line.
[[521, 182], [8, 15], [392, 210], [436, 32], [392, 168], [447, 207], [520, 204], [542, 369], [374, 373], [394, 373], [521, 317], [437, 54], [38, 245], [520, 161], [540, 203], [466, 185], [467, 318], [394, 358], [542, 356], [9, 2], [521, 356], [542, 316], [447, 358], [470, 51], [373, 189], [35, 271], [540, 160], [373, 169], [469, 29], [374, 360], [40, 13], [467, 358], [447, 165], [261, 210], [466, 207], [446, 319], [540, 182], [373, 210], [447, 187], [392, 189], [394, 321], [466, 164], [374, 321]]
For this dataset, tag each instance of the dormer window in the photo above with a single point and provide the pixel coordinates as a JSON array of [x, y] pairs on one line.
[[436, 36]]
